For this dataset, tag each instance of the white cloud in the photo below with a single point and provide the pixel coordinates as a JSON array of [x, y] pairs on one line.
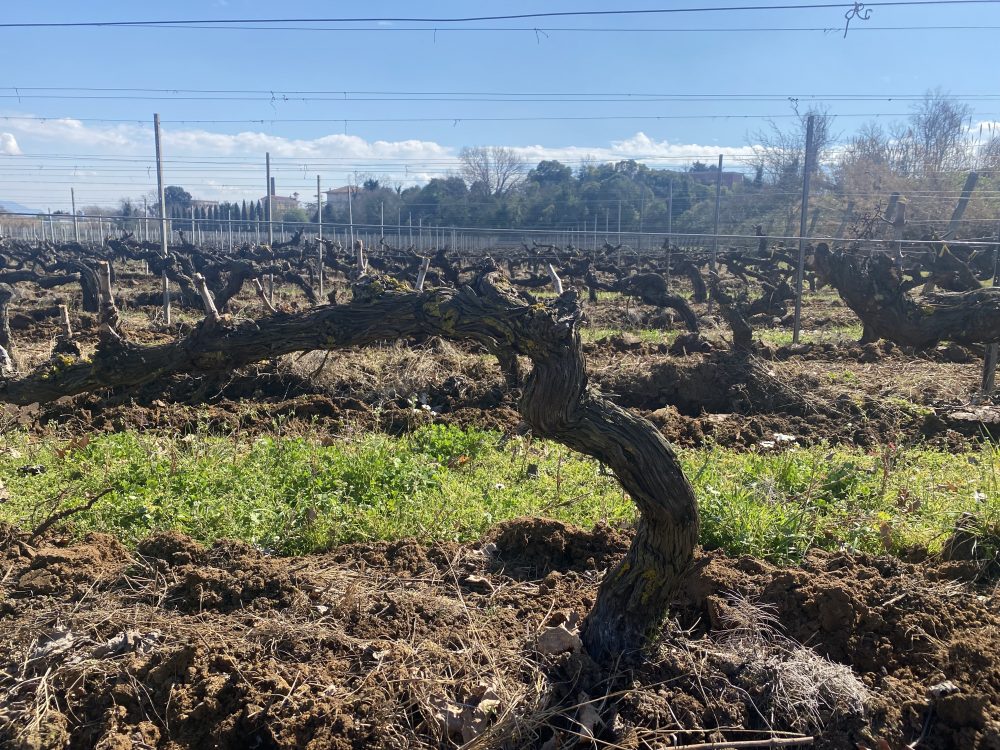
[[639, 147], [218, 165], [66, 130], [8, 145]]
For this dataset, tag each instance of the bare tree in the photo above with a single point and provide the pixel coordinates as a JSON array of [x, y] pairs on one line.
[[871, 145], [779, 153], [932, 140], [939, 133], [988, 155], [496, 168]]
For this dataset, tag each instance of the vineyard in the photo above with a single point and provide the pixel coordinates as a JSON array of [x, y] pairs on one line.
[[375, 494]]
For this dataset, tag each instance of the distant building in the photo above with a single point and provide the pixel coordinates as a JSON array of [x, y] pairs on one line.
[[729, 179], [281, 203], [200, 204], [337, 197]]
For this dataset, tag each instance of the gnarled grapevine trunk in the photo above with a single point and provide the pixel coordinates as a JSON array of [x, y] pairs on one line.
[[650, 288], [556, 402], [872, 287], [88, 283], [6, 343]]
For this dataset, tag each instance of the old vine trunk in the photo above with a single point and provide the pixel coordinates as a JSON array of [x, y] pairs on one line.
[[873, 288], [556, 402]]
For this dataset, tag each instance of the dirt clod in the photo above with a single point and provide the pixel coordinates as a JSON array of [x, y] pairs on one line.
[[402, 645]]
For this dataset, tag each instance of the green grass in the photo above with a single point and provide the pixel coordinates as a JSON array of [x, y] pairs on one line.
[[646, 335], [296, 493], [778, 505], [827, 335]]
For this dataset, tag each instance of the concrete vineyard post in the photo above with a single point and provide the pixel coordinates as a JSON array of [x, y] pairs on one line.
[[270, 216], [76, 226], [992, 350], [164, 237], [319, 235], [956, 218], [803, 230], [715, 227]]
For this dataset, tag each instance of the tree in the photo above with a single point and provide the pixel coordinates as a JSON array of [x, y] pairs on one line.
[[177, 199], [989, 154], [779, 153], [371, 184], [938, 127], [497, 169], [127, 208], [442, 200], [934, 139], [550, 172]]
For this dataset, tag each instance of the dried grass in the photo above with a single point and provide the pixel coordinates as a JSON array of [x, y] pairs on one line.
[[395, 372], [801, 690]]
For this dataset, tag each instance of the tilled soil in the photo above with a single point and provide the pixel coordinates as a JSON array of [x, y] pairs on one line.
[[858, 395], [692, 399], [403, 645]]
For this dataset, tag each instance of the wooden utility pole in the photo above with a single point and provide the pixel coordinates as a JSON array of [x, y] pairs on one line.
[[803, 231], [164, 237]]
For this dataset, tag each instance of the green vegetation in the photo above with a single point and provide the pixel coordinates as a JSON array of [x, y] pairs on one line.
[[646, 335], [829, 334], [778, 505], [296, 493]]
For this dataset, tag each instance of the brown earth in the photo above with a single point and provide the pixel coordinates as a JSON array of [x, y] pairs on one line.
[[692, 399], [399, 645], [864, 395]]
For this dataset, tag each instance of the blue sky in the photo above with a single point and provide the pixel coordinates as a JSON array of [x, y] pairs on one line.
[[110, 157]]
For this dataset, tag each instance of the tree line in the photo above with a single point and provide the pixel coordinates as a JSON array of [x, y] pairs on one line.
[[924, 155]]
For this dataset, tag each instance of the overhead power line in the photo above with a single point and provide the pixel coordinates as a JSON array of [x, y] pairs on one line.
[[462, 96], [504, 17], [455, 119], [545, 30]]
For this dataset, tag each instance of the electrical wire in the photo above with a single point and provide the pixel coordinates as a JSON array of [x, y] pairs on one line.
[[546, 30], [347, 93], [504, 17], [459, 119]]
